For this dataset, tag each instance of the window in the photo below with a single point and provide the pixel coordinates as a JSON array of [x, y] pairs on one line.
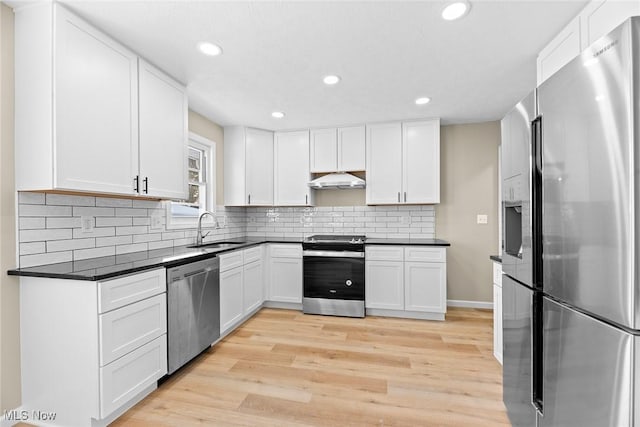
[[201, 160]]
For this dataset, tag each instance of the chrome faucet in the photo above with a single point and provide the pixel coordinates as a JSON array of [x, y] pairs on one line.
[[199, 235]]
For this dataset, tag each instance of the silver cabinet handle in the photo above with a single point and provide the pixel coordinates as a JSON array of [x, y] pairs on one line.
[[306, 199], [249, 199], [146, 185], [405, 197], [398, 197], [136, 187]]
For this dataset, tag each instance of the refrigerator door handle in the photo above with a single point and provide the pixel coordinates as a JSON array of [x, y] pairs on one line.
[[536, 201], [537, 370]]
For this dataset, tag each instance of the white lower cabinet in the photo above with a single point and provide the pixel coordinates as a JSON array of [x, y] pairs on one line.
[[231, 302], [98, 360], [285, 273], [406, 281], [241, 286], [384, 285]]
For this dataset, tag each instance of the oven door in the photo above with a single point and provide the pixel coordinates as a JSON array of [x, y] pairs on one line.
[[333, 275]]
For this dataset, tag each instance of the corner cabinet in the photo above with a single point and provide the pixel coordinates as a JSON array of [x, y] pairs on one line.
[[91, 350], [81, 87], [248, 167], [403, 163], [291, 169]]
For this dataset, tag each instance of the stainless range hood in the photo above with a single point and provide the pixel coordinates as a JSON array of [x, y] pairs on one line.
[[339, 180]]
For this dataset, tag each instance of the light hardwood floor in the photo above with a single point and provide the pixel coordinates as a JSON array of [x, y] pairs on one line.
[[284, 368]]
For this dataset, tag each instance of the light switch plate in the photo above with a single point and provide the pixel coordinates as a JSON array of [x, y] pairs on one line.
[[482, 219], [87, 223], [156, 222]]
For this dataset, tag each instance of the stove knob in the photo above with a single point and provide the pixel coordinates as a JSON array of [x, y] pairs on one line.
[[349, 282]]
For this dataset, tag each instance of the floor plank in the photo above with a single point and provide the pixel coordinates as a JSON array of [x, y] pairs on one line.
[[284, 368]]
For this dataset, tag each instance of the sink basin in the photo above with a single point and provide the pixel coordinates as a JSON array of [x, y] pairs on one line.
[[218, 245]]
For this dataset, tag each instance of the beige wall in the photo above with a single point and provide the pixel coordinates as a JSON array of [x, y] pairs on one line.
[[469, 186], [9, 291], [202, 126]]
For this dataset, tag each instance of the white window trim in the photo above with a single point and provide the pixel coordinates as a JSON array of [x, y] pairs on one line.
[[209, 146]]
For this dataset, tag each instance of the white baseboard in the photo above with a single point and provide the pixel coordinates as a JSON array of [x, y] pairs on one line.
[[469, 304]]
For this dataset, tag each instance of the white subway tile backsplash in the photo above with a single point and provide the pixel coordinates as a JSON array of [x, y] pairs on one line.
[[43, 210], [136, 229], [160, 244], [68, 200], [150, 204], [127, 249], [78, 233], [31, 198], [131, 212], [113, 221], [45, 235], [113, 203], [30, 223], [87, 211], [94, 252], [32, 248], [68, 245], [142, 221], [140, 238], [111, 241], [45, 258], [64, 222]]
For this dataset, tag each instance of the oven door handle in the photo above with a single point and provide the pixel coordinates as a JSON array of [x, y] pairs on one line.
[[334, 254]]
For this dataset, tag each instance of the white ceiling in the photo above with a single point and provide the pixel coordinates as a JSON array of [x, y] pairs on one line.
[[387, 52]]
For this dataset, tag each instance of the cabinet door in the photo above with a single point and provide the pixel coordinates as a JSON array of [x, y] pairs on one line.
[[351, 149], [425, 287], [259, 167], [231, 299], [285, 280], [599, 17], [96, 109], [292, 168], [497, 322], [421, 162], [163, 134], [562, 49], [324, 150], [384, 163], [252, 286], [384, 285]]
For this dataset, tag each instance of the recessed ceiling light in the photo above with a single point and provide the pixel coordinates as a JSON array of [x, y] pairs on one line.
[[331, 80], [455, 10], [277, 114], [209, 49], [422, 101]]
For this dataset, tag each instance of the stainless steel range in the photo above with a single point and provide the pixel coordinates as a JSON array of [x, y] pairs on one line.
[[333, 275]]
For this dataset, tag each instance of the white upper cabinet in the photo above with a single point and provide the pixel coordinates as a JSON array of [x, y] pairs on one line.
[[248, 171], [403, 163], [597, 19], [384, 163], [81, 89], [351, 149], [324, 150], [163, 134], [338, 150], [292, 169], [601, 16], [421, 162], [78, 130]]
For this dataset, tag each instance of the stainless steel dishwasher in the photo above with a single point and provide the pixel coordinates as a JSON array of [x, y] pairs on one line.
[[193, 310]]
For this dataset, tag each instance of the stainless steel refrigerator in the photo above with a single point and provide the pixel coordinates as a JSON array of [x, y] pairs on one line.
[[572, 325]]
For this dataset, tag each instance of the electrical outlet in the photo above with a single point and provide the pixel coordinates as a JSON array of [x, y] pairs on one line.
[[156, 222], [405, 220], [87, 223], [482, 219]]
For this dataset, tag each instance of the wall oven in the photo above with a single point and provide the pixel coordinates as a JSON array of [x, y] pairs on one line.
[[333, 275]]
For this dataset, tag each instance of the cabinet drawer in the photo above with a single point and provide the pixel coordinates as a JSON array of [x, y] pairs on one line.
[[123, 379], [425, 254], [384, 253], [127, 328], [497, 273], [116, 293], [230, 260], [252, 254], [285, 251]]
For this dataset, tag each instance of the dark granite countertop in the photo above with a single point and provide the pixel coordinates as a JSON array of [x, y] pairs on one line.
[[496, 258], [419, 242], [96, 269]]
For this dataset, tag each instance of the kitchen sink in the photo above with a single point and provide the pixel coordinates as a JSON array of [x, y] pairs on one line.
[[218, 245]]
